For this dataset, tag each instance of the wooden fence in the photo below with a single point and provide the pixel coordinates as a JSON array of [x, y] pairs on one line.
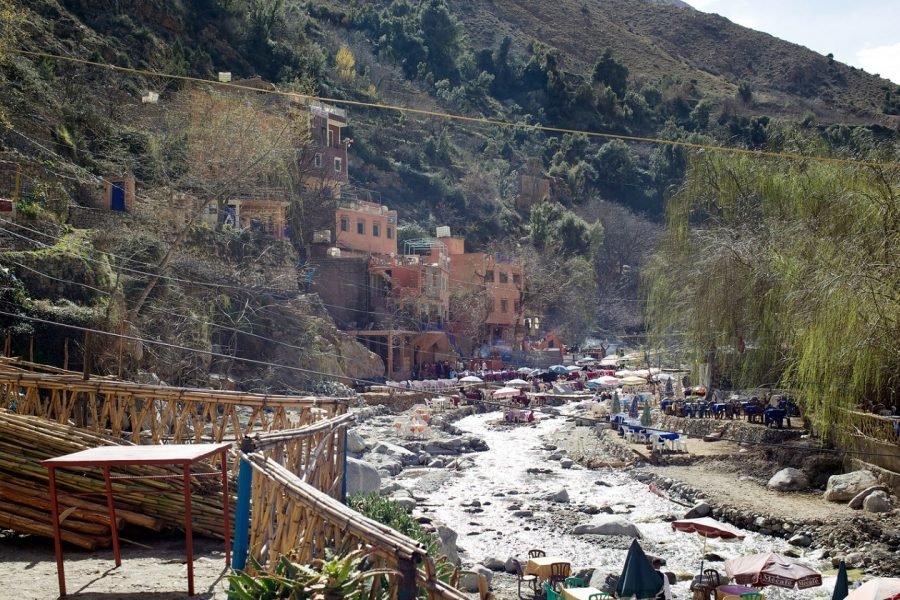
[[156, 414], [302, 522], [882, 429]]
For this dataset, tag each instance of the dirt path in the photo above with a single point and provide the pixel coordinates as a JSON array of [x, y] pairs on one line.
[[158, 573]]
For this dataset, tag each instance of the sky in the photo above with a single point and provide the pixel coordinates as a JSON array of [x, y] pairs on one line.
[[861, 33]]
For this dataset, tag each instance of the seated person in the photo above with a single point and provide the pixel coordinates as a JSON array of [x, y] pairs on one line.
[[531, 417]]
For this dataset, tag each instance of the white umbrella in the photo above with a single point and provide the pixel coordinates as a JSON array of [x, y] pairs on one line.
[[506, 392], [632, 380], [524, 370], [609, 361], [573, 368], [882, 588], [516, 382], [471, 379]]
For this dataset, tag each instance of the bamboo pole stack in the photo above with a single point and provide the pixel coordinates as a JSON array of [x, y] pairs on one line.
[[152, 501]]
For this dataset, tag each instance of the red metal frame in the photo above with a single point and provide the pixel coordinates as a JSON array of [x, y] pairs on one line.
[[110, 456]]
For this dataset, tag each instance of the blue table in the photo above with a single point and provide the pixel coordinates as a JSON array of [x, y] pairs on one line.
[[774, 416]]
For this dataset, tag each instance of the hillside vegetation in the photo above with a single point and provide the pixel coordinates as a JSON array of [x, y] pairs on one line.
[[621, 67]]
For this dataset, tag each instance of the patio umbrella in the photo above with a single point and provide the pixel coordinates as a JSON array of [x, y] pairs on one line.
[[882, 588], [616, 406], [572, 368], [638, 579], [646, 418], [558, 369], [769, 568], [471, 379], [841, 587], [708, 528], [506, 392], [516, 382], [633, 380], [524, 370]]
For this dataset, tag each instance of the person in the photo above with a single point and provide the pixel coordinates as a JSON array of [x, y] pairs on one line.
[[531, 417], [666, 592]]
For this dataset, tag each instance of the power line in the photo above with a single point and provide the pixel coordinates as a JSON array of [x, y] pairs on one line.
[[461, 118]]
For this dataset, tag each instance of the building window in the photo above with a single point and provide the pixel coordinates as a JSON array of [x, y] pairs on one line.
[[489, 276], [330, 137], [361, 227], [504, 277], [390, 233], [317, 160], [493, 305], [345, 224], [376, 230], [337, 165], [516, 306], [517, 279], [504, 305]]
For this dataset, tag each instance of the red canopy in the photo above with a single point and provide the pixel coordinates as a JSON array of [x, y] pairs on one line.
[[770, 568], [708, 528]]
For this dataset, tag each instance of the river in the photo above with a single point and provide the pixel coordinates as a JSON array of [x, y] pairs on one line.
[[499, 479]]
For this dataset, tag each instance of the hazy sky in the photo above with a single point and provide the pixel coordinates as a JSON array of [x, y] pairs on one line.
[[862, 33]]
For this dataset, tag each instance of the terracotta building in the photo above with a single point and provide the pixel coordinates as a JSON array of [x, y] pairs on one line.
[[501, 278], [365, 228]]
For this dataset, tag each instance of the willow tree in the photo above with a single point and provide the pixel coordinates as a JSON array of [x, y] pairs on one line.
[[788, 271]]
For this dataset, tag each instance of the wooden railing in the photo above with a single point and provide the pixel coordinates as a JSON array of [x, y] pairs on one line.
[[157, 414], [876, 427], [295, 519]]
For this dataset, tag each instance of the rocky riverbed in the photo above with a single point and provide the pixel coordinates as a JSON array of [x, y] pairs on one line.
[[494, 491]]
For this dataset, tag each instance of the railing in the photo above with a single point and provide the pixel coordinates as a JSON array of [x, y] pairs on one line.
[[304, 522], [883, 429], [157, 414]]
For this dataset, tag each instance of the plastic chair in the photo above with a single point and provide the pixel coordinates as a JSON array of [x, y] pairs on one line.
[[574, 582], [550, 593], [752, 596], [599, 596], [559, 572], [712, 578], [521, 578], [536, 553]]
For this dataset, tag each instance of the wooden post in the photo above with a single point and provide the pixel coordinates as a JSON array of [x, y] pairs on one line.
[[86, 372], [66, 354], [121, 348], [390, 354], [31, 350]]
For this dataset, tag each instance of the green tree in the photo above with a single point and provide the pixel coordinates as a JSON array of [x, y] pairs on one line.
[[611, 72], [700, 114]]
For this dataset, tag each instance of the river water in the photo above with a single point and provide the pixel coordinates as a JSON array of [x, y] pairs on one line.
[[499, 479]]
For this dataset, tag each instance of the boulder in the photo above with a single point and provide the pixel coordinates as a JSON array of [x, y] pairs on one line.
[[877, 502], [362, 477], [404, 499], [788, 480], [399, 453], [388, 488], [560, 496], [801, 539], [355, 442], [857, 502], [469, 581], [842, 488], [448, 541], [510, 566], [494, 564], [566, 463], [612, 526], [700, 510]]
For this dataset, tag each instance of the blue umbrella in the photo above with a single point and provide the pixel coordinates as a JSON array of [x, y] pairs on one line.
[[558, 369], [841, 586], [638, 579]]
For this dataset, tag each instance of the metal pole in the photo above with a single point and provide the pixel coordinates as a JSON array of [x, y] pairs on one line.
[[242, 510], [344, 472], [407, 588]]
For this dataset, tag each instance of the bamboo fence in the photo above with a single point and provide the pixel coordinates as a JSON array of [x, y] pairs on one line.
[[156, 414], [150, 497], [295, 519]]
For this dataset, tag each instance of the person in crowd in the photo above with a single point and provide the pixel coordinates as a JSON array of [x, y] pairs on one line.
[[531, 416], [666, 592]]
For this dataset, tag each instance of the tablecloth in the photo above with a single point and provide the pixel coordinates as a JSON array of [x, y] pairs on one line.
[[540, 566]]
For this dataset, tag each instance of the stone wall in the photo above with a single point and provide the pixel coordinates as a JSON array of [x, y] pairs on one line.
[[736, 430]]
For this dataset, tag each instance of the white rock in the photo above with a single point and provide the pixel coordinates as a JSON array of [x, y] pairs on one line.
[[842, 488], [700, 510], [355, 442], [877, 502], [448, 541], [560, 496], [611, 526], [788, 480], [361, 477]]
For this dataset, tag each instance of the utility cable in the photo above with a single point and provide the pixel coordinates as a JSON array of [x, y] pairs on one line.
[[460, 118]]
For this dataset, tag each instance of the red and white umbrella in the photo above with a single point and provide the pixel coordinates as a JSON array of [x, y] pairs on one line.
[[708, 528], [882, 588], [770, 568]]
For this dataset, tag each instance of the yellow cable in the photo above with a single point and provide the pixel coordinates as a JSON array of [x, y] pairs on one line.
[[465, 119]]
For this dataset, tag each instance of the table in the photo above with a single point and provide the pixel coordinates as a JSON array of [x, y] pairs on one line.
[[540, 566], [734, 590], [579, 593], [112, 456]]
